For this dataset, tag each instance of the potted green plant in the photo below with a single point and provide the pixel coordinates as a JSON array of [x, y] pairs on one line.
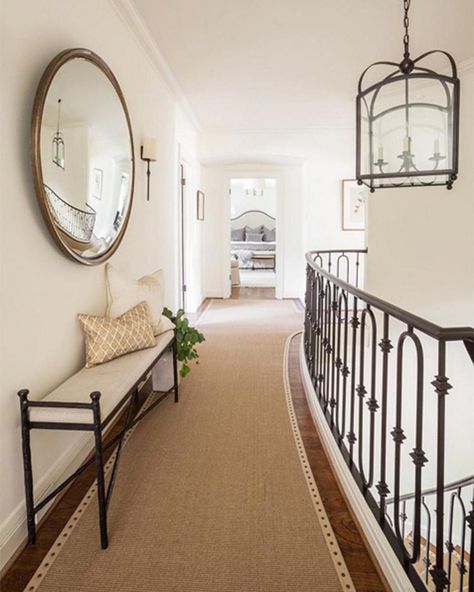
[[187, 338]]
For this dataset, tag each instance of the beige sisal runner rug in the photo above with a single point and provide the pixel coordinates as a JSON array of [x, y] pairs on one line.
[[213, 494]]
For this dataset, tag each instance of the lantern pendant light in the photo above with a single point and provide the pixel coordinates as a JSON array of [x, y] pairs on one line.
[[58, 142], [407, 125]]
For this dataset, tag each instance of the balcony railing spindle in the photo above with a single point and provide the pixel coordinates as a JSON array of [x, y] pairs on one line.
[[344, 368]]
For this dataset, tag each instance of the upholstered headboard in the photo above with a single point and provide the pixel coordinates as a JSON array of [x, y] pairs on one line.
[[253, 218]]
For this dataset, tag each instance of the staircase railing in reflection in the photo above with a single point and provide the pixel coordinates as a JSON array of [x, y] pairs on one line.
[[76, 223], [380, 376]]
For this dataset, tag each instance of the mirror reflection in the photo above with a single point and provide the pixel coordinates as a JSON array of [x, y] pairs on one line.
[[86, 159]]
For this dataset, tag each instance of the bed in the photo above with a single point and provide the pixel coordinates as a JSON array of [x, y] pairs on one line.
[[253, 240]]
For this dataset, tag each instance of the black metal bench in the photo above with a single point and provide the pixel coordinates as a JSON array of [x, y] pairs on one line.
[[89, 401]]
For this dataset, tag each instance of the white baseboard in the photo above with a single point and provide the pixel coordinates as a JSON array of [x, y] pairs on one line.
[[382, 552], [194, 304], [214, 294], [13, 528]]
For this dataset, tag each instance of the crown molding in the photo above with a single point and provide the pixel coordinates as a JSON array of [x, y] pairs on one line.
[[134, 22], [279, 130]]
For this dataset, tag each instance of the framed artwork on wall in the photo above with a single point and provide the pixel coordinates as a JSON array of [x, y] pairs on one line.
[[200, 205], [97, 175], [353, 203]]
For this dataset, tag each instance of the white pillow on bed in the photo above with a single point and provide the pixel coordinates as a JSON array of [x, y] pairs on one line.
[[123, 293]]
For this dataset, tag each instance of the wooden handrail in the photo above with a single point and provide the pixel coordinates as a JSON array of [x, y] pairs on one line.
[[430, 491], [354, 357], [465, 334]]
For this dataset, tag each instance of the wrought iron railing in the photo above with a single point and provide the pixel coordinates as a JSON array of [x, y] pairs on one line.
[[459, 495], [365, 383], [76, 223]]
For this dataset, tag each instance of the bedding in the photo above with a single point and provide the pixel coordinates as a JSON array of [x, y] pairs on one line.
[[253, 232], [243, 251], [256, 230]]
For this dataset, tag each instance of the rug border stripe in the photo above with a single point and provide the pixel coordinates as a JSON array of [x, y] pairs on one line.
[[318, 506], [331, 542], [73, 521]]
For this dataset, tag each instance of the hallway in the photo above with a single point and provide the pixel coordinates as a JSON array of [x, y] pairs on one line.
[[226, 273], [231, 444]]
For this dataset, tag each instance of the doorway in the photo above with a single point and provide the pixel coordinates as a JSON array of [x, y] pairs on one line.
[[182, 235], [253, 233]]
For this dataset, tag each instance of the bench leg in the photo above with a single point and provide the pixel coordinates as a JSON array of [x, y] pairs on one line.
[[118, 451], [99, 461], [27, 467], [175, 372]]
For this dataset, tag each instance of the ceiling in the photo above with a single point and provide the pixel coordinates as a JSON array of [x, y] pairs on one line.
[[282, 64]]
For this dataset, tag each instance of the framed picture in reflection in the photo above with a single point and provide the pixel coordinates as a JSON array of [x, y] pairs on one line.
[[97, 175]]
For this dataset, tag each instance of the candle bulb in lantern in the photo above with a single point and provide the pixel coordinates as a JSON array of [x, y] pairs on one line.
[[436, 147], [406, 144], [380, 153]]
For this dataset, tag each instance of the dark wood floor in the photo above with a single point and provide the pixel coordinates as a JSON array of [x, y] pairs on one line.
[[355, 553], [353, 548], [28, 560]]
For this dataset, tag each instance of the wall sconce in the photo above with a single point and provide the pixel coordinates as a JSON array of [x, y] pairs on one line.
[[148, 154]]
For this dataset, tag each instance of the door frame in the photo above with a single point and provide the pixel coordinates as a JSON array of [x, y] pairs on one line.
[[254, 172], [183, 185]]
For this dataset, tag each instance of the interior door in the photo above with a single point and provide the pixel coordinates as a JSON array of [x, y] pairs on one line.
[[182, 236]]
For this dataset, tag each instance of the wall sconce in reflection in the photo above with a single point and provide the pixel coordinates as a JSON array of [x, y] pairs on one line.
[[148, 154]]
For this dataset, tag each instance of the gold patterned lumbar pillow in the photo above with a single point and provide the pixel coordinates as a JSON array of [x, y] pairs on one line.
[[106, 339]]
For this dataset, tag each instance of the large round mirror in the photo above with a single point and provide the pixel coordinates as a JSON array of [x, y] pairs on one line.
[[82, 153]]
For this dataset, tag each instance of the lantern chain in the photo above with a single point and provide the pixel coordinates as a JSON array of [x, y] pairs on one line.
[[406, 24]]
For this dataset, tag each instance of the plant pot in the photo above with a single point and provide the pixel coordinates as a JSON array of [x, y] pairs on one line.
[[162, 373]]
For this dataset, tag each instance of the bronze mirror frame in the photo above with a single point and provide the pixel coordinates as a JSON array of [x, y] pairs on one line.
[[35, 148]]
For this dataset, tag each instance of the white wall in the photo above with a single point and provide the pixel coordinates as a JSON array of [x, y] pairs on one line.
[[318, 159], [421, 241], [73, 186], [186, 137], [241, 202], [42, 290], [216, 229], [421, 257], [103, 155]]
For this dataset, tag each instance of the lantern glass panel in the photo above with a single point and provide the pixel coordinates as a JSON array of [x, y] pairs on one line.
[[406, 131]]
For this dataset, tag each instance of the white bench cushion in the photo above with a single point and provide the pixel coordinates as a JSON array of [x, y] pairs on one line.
[[113, 380]]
